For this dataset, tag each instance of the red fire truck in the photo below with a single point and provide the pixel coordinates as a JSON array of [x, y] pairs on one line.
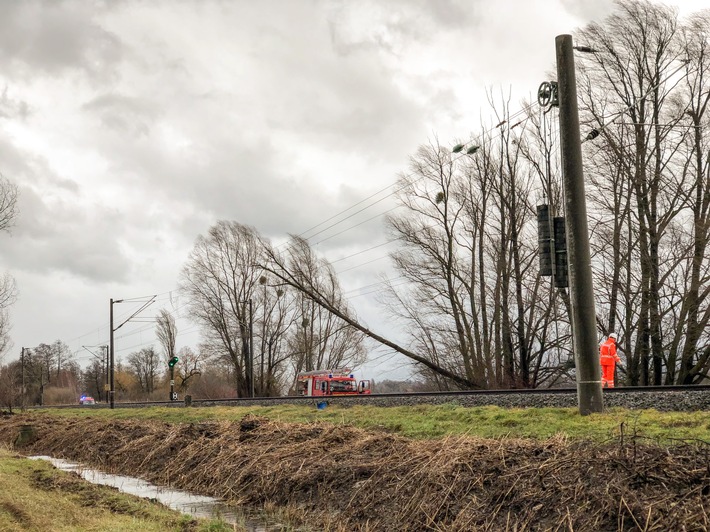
[[331, 382]]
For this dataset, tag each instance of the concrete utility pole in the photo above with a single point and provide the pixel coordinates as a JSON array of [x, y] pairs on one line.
[[584, 331], [111, 383], [251, 349], [107, 386], [22, 362]]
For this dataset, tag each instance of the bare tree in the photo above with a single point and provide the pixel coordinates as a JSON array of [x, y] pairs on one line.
[[437, 254], [5, 341], [92, 379], [11, 385], [144, 365], [216, 379], [219, 280], [8, 203], [8, 289], [166, 331], [51, 361], [278, 317], [321, 340], [291, 270], [645, 91], [474, 303], [190, 366], [34, 365], [694, 316]]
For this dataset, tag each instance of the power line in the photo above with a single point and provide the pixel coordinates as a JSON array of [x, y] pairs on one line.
[[335, 216], [362, 264], [346, 210], [379, 291], [410, 175], [356, 225], [365, 250], [597, 131], [106, 326], [372, 285]]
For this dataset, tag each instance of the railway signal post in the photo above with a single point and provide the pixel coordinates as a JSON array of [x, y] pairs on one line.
[[171, 364]]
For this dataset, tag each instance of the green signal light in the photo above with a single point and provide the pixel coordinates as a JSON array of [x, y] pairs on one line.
[[173, 361]]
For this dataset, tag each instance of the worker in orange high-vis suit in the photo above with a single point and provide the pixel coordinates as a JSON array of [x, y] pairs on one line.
[[608, 359]]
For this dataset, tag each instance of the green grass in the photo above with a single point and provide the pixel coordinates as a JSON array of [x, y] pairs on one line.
[[427, 421], [34, 496]]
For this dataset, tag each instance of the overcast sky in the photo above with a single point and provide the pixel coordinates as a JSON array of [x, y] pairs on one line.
[[132, 127]]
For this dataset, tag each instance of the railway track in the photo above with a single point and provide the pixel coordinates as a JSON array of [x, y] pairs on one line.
[[666, 398]]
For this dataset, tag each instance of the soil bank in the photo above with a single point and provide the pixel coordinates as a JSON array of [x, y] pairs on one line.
[[337, 477]]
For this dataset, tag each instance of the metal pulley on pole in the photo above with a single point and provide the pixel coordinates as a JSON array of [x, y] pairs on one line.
[[588, 370]]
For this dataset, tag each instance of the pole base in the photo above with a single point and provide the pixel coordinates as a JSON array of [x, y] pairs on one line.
[[590, 398]]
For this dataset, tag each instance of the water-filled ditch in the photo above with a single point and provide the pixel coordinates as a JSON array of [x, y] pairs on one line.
[[188, 503]]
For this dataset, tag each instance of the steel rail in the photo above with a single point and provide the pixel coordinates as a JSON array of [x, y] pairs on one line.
[[399, 395]]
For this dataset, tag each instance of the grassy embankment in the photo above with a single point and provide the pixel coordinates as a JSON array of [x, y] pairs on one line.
[[409, 481], [35, 496], [425, 421]]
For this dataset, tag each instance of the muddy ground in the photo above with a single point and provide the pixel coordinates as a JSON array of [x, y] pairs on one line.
[[336, 477]]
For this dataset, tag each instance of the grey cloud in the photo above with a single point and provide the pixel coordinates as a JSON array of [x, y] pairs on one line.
[[363, 117], [23, 167], [53, 37], [12, 108], [338, 105], [30, 170], [586, 10], [242, 185], [124, 114], [454, 13], [402, 20], [12, 163], [236, 183], [222, 177], [53, 235], [56, 236], [355, 105]]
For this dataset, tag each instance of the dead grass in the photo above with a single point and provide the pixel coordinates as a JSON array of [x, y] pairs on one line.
[[340, 477]]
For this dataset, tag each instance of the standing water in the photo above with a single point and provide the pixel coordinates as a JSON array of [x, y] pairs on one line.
[[182, 501]]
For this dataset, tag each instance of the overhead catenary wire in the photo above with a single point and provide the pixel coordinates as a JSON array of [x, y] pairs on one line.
[[371, 218], [358, 224], [392, 193], [119, 316], [379, 291], [123, 349], [481, 136], [302, 235], [457, 156], [174, 313], [365, 250], [362, 264], [380, 283], [597, 131], [97, 331], [373, 247], [498, 127]]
